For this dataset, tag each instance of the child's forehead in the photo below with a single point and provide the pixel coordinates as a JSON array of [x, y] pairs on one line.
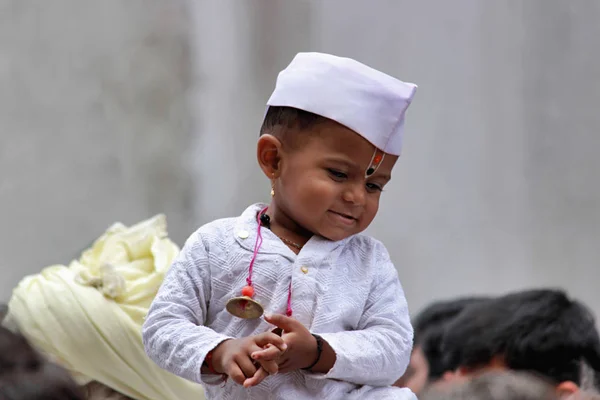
[[337, 143], [333, 136]]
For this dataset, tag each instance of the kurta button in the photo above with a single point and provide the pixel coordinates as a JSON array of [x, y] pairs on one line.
[[304, 269], [243, 234]]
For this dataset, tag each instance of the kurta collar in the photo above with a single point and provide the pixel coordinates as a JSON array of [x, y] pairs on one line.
[[246, 229]]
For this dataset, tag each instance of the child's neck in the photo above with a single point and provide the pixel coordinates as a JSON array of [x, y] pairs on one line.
[[286, 228]]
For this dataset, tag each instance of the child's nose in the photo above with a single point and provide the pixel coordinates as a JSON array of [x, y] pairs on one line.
[[355, 194]]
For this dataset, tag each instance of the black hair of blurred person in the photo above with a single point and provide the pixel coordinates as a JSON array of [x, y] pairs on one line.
[[26, 375], [430, 325], [427, 362], [542, 331]]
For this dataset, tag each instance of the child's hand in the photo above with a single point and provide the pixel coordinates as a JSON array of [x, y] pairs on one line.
[[232, 357], [301, 345]]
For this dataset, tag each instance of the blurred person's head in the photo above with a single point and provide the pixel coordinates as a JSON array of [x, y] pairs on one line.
[[427, 363], [540, 331], [416, 376], [494, 386], [26, 375], [330, 138]]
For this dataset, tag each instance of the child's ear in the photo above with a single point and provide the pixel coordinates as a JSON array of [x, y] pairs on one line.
[[268, 153]]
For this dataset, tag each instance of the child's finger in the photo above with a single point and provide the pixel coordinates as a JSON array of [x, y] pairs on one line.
[[287, 324], [270, 366], [268, 353], [236, 374], [258, 377], [247, 366], [266, 338], [255, 349]]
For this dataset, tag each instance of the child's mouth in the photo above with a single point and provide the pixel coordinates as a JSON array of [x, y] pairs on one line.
[[345, 218]]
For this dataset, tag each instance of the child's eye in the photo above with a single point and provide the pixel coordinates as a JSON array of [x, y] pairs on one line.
[[373, 187], [337, 174]]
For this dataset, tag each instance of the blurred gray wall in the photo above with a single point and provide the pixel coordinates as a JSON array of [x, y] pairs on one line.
[[120, 109], [94, 123]]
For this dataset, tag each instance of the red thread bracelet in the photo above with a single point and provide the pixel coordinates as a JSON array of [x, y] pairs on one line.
[[209, 363]]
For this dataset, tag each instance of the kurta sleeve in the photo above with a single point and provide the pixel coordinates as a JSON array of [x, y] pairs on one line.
[[173, 333], [378, 351]]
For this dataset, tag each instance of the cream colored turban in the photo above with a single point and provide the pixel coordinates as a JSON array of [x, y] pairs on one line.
[[88, 316]]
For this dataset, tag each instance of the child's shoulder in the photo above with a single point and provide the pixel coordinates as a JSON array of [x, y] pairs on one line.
[[219, 230], [367, 244], [223, 231], [221, 225], [364, 256], [364, 240]]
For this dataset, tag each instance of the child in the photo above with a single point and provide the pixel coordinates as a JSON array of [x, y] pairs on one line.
[[331, 135]]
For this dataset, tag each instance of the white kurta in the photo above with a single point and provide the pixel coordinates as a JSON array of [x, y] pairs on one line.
[[348, 292]]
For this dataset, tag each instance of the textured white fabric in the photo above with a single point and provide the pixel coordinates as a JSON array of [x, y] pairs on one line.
[[351, 296], [369, 102]]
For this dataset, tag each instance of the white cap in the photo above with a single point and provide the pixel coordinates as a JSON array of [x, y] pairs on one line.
[[359, 97]]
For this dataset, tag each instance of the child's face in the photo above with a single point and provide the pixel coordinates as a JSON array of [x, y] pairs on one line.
[[321, 184]]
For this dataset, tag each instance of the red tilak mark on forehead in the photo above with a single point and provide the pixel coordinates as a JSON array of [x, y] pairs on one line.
[[376, 161]]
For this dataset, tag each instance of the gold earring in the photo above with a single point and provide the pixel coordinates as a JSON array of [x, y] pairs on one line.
[[273, 186]]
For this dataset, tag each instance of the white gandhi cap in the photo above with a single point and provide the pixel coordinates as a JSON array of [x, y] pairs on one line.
[[359, 97]]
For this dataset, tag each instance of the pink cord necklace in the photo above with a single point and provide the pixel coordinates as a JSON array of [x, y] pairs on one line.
[[245, 306]]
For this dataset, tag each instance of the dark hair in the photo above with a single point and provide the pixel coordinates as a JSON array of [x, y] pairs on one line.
[[495, 386], [541, 331], [26, 375], [288, 117], [429, 326]]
